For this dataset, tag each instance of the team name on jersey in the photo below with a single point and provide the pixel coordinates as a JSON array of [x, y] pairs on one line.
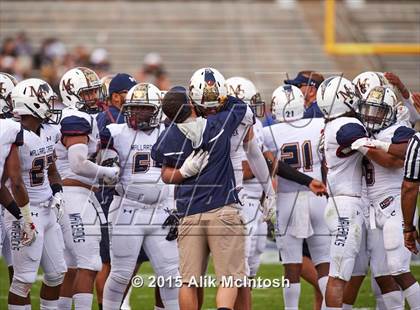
[[42, 150], [141, 147]]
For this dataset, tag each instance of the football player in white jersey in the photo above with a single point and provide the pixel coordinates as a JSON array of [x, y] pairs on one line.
[[33, 101], [211, 83], [144, 199], [343, 214], [252, 192], [295, 141], [80, 90], [384, 178], [7, 83]]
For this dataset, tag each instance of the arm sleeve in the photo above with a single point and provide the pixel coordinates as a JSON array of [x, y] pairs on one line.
[[75, 126], [258, 165], [291, 174], [349, 133], [79, 163], [402, 135]]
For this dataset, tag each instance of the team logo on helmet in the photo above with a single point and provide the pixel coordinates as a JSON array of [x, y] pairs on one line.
[[210, 91], [238, 91], [68, 86], [347, 94], [40, 93]]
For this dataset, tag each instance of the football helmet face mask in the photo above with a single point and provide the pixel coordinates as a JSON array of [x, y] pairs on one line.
[[245, 90], [337, 96], [35, 97], [365, 81], [287, 103], [377, 111], [142, 107], [207, 90], [81, 88], [7, 83]]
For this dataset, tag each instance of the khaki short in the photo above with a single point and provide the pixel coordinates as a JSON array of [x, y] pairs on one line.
[[220, 232]]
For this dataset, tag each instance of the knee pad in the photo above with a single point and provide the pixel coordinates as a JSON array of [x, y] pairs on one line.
[[53, 279], [123, 279], [20, 288]]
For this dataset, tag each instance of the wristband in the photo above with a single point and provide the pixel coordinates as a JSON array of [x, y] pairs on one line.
[[56, 188], [26, 214], [409, 229], [14, 210]]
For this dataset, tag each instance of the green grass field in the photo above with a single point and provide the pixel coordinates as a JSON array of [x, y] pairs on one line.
[[266, 298]]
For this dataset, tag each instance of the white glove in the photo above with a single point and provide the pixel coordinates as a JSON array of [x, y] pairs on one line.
[[111, 175], [269, 208], [28, 231], [194, 163], [381, 145], [57, 204], [403, 114], [362, 145]]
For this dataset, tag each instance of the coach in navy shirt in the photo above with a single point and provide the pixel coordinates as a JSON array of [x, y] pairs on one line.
[[308, 82], [195, 154]]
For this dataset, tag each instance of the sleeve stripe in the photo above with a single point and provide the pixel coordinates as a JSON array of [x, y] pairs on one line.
[[412, 162]]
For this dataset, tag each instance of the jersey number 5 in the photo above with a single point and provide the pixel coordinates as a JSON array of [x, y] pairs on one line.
[[297, 156]]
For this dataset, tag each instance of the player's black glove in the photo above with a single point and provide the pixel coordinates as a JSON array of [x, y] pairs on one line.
[[271, 231], [172, 221]]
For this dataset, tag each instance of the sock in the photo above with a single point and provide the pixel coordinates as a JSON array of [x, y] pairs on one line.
[[114, 291], [28, 307], [82, 301], [322, 282], [170, 305], [159, 308], [291, 296], [65, 303], [392, 300], [333, 308], [380, 303], [16, 307], [49, 304], [347, 307], [126, 302], [412, 295]]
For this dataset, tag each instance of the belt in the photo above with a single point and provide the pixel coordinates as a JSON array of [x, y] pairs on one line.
[[141, 205]]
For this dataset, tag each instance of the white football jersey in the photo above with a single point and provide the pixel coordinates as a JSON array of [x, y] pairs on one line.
[[237, 152], [382, 181], [139, 172], [296, 143], [9, 131], [253, 185], [36, 154], [344, 165], [74, 123]]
